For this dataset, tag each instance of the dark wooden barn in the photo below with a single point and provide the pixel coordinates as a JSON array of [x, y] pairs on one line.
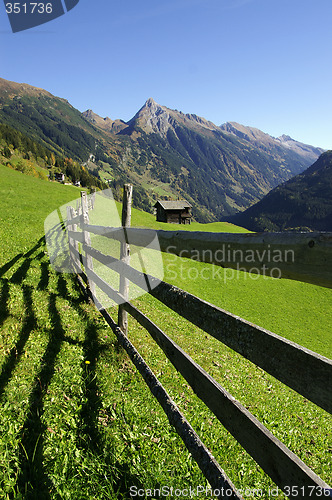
[[59, 176], [175, 212]]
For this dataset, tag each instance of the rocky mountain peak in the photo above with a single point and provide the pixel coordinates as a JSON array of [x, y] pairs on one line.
[[266, 141], [285, 138], [302, 149], [107, 124], [150, 103], [152, 107], [90, 115], [152, 118], [251, 134]]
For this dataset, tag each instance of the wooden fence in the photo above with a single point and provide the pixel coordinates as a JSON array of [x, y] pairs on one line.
[[308, 373]]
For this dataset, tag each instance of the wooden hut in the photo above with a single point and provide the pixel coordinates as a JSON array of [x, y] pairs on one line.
[[59, 176], [175, 212]]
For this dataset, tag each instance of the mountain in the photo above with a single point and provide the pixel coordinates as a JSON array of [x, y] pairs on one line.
[[50, 120], [304, 202], [219, 170], [163, 152], [107, 124], [267, 143], [153, 118], [21, 153]]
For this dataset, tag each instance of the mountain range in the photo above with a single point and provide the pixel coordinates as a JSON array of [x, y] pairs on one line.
[[219, 168], [165, 153]]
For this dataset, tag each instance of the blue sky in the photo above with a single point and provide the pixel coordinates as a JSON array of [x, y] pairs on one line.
[[263, 63]]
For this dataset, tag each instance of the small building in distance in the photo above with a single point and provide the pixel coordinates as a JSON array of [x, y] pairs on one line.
[[175, 212], [59, 176]]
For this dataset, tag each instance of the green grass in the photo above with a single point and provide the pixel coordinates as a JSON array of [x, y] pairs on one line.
[[77, 421], [25, 203], [143, 219], [295, 310]]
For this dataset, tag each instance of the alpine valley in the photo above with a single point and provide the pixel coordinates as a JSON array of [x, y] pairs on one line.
[[165, 153], [303, 203]]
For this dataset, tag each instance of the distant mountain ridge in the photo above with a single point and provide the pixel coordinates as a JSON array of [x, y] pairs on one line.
[[107, 124], [263, 140], [304, 202], [225, 171], [165, 153], [154, 118]]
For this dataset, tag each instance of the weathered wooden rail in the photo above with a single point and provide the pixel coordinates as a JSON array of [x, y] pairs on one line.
[[305, 256], [299, 256]]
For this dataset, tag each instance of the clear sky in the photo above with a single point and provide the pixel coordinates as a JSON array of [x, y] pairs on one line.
[[263, 63]]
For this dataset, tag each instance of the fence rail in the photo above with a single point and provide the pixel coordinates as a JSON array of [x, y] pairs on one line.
[[306, 372], [278, 356], [299, 256], [210, 468]]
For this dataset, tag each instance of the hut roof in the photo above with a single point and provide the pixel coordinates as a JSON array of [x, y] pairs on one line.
[[173, 205]]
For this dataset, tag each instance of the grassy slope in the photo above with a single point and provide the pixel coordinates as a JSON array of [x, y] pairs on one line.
[[295, 310], [279, 305], [143, 219], [25, 203], [77, 421]]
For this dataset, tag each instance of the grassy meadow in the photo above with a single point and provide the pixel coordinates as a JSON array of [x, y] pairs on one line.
[[77, 421]]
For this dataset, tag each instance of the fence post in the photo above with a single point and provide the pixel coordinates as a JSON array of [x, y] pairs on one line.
[[73, 245], [78, 206], [93, 199], [86, 239], [125, 255]]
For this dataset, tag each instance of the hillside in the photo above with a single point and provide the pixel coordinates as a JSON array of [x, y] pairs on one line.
[[164, 152], [77, 419], [304, 202], [50, 120], [19, 152], [107, 124]]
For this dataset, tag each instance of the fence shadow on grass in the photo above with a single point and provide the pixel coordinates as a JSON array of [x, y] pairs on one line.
[[21, 272], [17, 278], [15, 354], [44, 276], [9, 264], [4, 296], [29, 321], [89, 436], [33, 481]]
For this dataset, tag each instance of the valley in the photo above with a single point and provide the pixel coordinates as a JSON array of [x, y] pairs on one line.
[[165, 153], [304, 203]]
